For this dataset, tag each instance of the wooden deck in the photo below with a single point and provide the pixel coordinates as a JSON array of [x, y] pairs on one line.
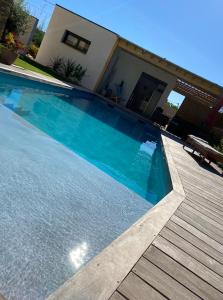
[[185, 261]]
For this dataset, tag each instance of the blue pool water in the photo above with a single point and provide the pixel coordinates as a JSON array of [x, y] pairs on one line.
[[60, 208], [123, 147]]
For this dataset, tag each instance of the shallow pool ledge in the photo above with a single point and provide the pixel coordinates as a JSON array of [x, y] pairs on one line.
[[103, 274]]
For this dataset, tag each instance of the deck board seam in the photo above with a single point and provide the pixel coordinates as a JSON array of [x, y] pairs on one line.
[[183, 266], [208, 234], [206, 205], [117, 291], [197, 236], [204, 213], [187, 267], [195, 247], [190, 256], [149, 284], [184, 206], [146, 257]]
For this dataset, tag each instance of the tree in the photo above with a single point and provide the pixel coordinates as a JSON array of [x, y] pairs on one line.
[[19, 18], [174, 106], [38, 36], [6, 7]]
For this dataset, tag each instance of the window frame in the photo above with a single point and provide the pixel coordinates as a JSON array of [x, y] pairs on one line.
[[79, 38]]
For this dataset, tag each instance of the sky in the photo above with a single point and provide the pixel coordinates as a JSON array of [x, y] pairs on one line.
[[186, 32]]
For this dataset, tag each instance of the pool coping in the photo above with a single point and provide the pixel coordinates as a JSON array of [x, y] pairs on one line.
[[101, 276], [31, 75]]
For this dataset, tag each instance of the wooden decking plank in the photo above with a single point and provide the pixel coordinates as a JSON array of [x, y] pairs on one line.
[[134, 288], [207, 199], [193, 251], [204, 211], [161, 281], [198, 243], [193, 211], [202, 191], [188, 163], [117, 296], [218, 210], [202, 236], [185, 261], [201, 225], [198, 184], [189, 262], [200, 179], [202, 219], [182, 275], [207, 176]]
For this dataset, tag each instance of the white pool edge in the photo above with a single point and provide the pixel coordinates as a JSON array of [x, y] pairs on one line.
[[101, 276]]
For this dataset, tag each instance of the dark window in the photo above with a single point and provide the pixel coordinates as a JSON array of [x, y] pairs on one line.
[[76, 41]]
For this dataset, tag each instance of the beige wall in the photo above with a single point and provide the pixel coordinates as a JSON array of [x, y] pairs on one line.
[[129, 68], [26, 38], [102, 43]]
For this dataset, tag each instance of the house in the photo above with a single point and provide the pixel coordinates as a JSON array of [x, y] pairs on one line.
[[115, 64], [26, 37]]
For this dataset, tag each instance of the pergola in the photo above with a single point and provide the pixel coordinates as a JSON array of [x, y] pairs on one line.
[[190, 90], [213, 102]]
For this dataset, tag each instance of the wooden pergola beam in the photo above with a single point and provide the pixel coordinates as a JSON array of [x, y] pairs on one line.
[[180, 73]]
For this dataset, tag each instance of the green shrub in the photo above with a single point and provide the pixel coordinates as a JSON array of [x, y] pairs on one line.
[[33, 50], [79, 72], [71, 71], [219, 147], [56, 63], [68, 68], [75, 72]]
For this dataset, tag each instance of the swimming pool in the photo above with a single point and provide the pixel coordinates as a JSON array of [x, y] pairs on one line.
[[123, 147], [61, 206]]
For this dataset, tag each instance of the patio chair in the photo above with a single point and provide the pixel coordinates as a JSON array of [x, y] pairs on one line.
[[204, 149]]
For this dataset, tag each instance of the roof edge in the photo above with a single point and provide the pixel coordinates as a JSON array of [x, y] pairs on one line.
[[136, 45], [70, 11]]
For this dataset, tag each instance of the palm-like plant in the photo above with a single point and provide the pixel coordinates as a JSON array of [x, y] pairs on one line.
[[79, 72], [68, 68], [56, 63]]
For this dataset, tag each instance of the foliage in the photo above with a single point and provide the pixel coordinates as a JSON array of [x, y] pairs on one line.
[[9, 39], [38, 36], [174, 106], [71, 71], [33, 50], [79, 72], [56, 63], [219, 146], [68, 68], [5, 9], [11, 43], [18, 19], [32, 65]]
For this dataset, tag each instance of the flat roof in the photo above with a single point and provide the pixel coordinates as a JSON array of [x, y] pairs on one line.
[[157, 56]]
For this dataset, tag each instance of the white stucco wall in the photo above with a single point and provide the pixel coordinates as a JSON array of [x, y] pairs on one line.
[[129, 68], [102, 43]]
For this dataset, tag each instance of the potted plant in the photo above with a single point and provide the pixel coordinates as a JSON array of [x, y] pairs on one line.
[[11, 49]]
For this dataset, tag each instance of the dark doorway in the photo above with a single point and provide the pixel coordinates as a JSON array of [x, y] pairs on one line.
[[146, 94]]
